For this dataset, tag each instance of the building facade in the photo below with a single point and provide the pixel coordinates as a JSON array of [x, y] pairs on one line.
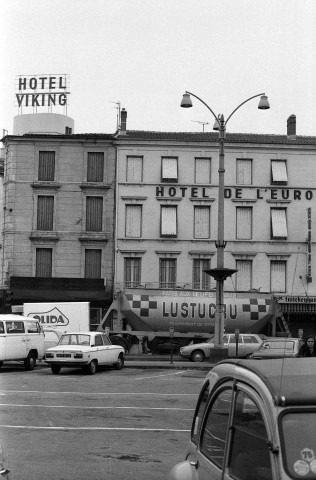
[[167, 216], [58, 222]]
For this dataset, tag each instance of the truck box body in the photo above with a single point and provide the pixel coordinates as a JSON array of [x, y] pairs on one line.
[[65, 316]]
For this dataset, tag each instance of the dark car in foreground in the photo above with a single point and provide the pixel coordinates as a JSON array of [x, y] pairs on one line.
[[254, 420]]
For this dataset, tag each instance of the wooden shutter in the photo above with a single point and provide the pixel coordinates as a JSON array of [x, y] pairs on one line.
[[278, 279], [45, 212], [46, 166], [95, 168], [44, 262], [94, 214], [244, 173], [278, 222], [201, 222], [134, 169], [133, 221], [202, 170], [169, 221], [244, 268], [244, 223], [93, 263]]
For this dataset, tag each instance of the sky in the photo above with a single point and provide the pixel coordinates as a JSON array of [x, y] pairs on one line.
[[144, 54]]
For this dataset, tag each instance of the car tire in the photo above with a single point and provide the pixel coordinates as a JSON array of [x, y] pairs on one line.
[[30, 362], [55, 369], [197, 356], [119, 364], [92, 367]]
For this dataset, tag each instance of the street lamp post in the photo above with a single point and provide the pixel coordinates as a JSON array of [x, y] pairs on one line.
[[220, 273]]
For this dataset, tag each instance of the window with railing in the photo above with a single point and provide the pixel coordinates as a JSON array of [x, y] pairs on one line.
[[167, 272], [132, 272]]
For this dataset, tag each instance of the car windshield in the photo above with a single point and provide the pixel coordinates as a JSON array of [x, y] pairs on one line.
[[299, 440], [74, 339]]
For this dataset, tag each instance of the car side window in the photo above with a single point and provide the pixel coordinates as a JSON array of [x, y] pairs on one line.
[[199, 413], [249, 453], [15, 327], [248, 339], [106, 340], [213, 437], [33, 327], [1, 327], [98, 340]]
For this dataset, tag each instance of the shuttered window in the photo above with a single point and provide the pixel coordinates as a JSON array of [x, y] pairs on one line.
[[167, 272], [278, 172], [45, 212], [93, 263], [134, 171], [201, 281], [244, 171], [244, 275], [133, 221], [168, 222], [243, 223], [94, 214], [278, 276], [132, 272], [95, 167], [169, 169], [278, 223], [44, 262], [202, 170], [46, 166], [201, 222]]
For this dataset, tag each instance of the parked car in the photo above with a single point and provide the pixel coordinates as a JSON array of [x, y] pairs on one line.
[[85, 350], [278, 347], [21, 339], [247, 344], [254, 420]]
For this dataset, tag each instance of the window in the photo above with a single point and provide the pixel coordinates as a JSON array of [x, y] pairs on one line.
[[45, 212], [278, 276], [213, 438], [94, 214], [243, 172], [133, 221], [169, 169], [44, 258], [15, 327], [249, 453], [202, 222], [134, 171], [95, 167], [132, 272], [167, 272], [201, 281], [278, 223], [244, 275], [33, 327], [93, 263], [46, 166], [243, 223], [98, 340], [168, 222], [278, 172], [202, 170]]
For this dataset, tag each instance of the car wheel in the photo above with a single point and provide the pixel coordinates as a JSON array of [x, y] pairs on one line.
[[30, 362], [55, 369], [119, 364], [92, 367], [197, 356]]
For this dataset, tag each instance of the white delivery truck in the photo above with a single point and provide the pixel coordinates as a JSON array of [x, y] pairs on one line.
[[64, 316]]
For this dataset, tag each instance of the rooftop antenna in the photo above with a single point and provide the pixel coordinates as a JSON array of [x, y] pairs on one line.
[[202, 123], [118, 116]]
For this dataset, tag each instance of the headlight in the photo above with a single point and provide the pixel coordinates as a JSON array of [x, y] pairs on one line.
[[78, 355], [49, 355]]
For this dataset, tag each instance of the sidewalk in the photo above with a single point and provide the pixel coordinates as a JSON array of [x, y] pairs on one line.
[[164, 361]]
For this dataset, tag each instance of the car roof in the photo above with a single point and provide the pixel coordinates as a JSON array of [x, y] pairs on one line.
[[11, 317], [291, 381]]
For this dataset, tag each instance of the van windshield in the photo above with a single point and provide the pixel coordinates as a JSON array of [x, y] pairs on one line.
[[299, 440]]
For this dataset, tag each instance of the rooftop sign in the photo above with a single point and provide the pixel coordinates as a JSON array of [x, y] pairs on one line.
[[38, 91]]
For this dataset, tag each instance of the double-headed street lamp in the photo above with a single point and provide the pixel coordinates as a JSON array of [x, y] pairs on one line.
[[220, 273]]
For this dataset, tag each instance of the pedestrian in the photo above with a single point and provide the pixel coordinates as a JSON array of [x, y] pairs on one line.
[[308, 349]]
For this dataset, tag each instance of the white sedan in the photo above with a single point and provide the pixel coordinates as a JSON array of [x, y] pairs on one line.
[[85, 350], [247, 344]]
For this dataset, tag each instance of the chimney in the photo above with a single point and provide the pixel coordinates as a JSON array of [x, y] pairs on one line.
[[123, 121], [291, 127]]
